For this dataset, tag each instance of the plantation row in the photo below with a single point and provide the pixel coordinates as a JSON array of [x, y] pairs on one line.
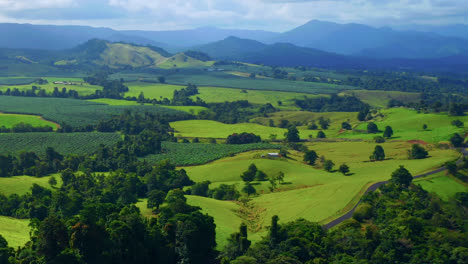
[[183, 154], [64, 143], [77, 113]]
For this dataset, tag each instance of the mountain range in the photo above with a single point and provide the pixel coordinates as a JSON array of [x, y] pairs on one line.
[[417, 42]]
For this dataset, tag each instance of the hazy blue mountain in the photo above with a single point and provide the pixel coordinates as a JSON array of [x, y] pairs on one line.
[[456, 30], [356, 39], [231, 48]]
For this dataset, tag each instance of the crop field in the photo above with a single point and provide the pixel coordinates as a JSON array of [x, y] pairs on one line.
[[22, 184], [76, 113], [152, 90], [16, 80], [444, 186], [64, 143], [407, 125], [213, 129], [188, 109], [82, 88], [15, 231], [183, 61], [381, 98], [9, 120], [322, 195], [182, 154]]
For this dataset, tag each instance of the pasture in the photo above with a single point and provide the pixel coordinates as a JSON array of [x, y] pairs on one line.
[[187, 109], [22, 184], [443, 185], [380, 99], [407, 125], [64, 143], [82, 88], [15, 231], [9, 120]]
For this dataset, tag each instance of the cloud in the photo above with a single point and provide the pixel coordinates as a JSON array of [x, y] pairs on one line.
[[275, 15]]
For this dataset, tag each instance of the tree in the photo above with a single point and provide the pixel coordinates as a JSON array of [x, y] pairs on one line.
[[372, 128], [457, 140], [260, 176], [250, 174], [346, 126], [324, 123], [378, 154], [321, 134], [162, 79], [424, 126], [451, 167], [52, 181], [52, 237], [344, 169], [417, 152], [310, 157], [274, 231], [237, 244], [292, 135], [249, 189], [196, 140], [379, 139], [401, 176], [457, 123], [328, 165], [155, 198], [388, 133]]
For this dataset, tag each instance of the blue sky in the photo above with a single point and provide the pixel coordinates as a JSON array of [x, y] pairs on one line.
[[273, 15]]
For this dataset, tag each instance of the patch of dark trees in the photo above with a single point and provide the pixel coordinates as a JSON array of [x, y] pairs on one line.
[[243, 138], [334, 103], [25, 128]]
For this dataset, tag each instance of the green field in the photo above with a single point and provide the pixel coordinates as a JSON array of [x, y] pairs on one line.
[[407, 125], [322, 195], [76, 113], [213, 129], [16, 80], [22, 184], [182, 154], [82, 88], [442, 185], [183, 61], [381, 98], [188, 109], [152, 90], [9, 120], [15, 231], [64, 143]]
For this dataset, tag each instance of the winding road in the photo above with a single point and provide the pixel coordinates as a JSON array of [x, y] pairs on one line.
[[375, 186]]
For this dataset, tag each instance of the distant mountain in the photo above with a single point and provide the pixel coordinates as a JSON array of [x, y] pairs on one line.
[[356, 39], [457, 30], [231, 48]]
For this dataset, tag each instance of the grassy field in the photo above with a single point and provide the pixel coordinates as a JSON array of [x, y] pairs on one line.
[[16, 80], [188, 109], [442, 185], [15, 231], [381, 98], [182, 61], [64, 143], [9, 120], [152, 90], [76, 113], [213, 129], [322, 195], [182, 154], [407, 125], [82, 88], [22, 184]]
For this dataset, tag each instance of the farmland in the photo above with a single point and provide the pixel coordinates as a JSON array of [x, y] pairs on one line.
[[188, 109], [442, 185], [9, 120], [64, 143], [182, 154], [15, 231], [82, 88], [22, 184], [381, 98], [76, 113]]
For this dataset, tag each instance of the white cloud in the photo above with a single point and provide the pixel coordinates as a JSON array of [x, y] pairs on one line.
[[15, 5]]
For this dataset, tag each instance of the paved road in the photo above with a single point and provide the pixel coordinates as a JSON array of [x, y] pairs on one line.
[[375, 186]]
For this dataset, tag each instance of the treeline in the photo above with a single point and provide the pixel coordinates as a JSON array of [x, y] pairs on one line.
[[25, 128], [334, 103]]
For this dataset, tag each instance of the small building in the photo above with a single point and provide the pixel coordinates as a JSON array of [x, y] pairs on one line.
[[273, 155]]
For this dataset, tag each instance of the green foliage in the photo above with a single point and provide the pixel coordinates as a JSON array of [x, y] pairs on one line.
[[417, 152], [196, 154], [328, 165], [388, 133], [401, 177], [378, 154], [321, 134], [249, 189], [292, 135], [334, 103], [457, 140], [250, 173], [310, 157], [457, 123], [346, 126], [379, 139], [372, 128], [344, 169]]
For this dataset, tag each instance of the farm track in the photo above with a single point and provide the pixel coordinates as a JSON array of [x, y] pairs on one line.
[[376, 185]]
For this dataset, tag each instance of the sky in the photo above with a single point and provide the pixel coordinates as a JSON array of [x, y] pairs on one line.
[[271, 15]]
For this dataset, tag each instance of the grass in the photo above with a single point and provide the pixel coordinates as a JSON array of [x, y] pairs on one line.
[[15, 231], [444, 186], [152, 90], [213, 129], [312, 193], [407, 125], [183, 61], [182, 154], [381, 98], [22, 184], [76, 113], [188, 109], [64, 143], [82, 88], [9, 120]]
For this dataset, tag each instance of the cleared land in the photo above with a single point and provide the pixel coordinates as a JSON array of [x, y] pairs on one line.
[[82, 88], [182, 154], [381, 98], [15, 231], [64, 143], [9, 120], [22, 184], [442, 185], [407, 125], [188, 109]]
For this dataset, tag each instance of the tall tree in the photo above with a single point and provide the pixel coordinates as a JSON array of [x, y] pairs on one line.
[[292, 135], [401, 176], [310, 157], [388, 133], [378, 154]]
